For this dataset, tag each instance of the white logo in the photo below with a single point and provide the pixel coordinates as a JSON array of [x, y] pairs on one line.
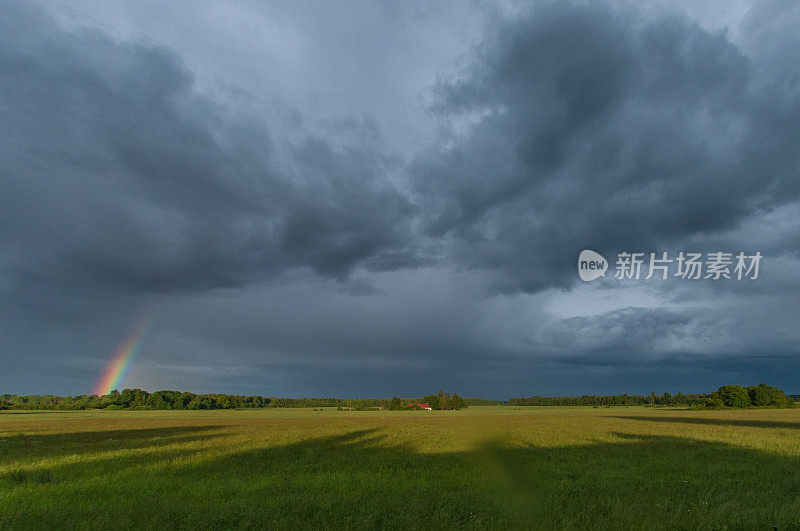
[[591, 265]]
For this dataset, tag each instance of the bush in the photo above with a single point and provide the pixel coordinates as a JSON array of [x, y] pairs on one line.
[[734, 396], [715, 402], [758, 395], [767, 395]]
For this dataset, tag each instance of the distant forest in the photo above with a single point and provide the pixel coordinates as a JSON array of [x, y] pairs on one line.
[[728, 396]]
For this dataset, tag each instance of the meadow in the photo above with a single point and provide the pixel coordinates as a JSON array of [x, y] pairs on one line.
[[483, 467]]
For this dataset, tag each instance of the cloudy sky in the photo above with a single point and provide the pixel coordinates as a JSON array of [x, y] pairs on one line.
[[389, 198]]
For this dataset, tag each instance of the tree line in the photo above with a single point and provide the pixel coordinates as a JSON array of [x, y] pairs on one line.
[[139, 399], [727, 396], [666, 399]]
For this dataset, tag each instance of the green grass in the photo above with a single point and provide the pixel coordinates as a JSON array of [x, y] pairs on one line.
[[494, 467]]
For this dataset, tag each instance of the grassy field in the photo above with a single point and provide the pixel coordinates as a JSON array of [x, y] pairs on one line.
[[495, 467]]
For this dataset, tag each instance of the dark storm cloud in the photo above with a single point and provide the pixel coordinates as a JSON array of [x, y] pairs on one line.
[[115, 171], [587, 128], [583, 128]]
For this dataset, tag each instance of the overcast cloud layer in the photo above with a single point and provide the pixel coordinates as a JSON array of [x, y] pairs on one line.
[[387, 199]]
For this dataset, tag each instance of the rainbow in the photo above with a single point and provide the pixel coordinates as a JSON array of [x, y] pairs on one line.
[[118, 366]]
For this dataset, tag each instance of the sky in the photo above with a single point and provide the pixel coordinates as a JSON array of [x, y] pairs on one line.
[[362, 199]]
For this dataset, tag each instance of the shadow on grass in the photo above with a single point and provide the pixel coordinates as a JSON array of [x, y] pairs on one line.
[[28, 412], [744, 423], [36, 446], [369, 479]]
